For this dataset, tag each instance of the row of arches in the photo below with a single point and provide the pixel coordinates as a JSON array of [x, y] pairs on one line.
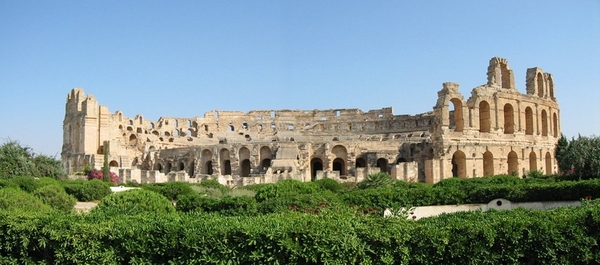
[[459, 163], [207, 162], [544, 123]]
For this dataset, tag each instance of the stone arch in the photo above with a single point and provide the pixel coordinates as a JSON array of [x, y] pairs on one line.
[[528, 121], [540, 84], [206, 158], [485, 120], [245, 168], [555, 124], [548, 159], [180, 166], [245, 165], [167, 168], [532, 161], [456, 115], [225, 162], [132, 139], [459, 164], [382, 164], [513, 163], [488, 163], [360, 162], [316, 164], [265, 157], [192, 169], [113, 163], [339, 165], [544, 123], [339, 162], [509, 119]]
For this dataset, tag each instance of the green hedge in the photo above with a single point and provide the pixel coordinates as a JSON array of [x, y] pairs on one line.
[[568, 235]]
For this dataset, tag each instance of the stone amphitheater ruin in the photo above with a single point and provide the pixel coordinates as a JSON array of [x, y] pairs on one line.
[[497, 130]]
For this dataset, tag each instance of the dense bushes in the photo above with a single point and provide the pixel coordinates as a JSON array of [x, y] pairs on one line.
[[56, 197], [171, 190], [16, 199], [87, 191], [567, 235], [99, 175], [133, 202]]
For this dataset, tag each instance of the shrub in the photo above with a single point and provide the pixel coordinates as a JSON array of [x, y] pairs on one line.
[[86, 191], [16, 199], [99, 175], [286, 187], [27, 184], [329, 184], [171, 190], [133, 202], [56, 197], [214, 184], [377, 180]]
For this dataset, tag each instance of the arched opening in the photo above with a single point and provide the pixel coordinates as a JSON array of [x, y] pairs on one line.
[[509, 119], [265, 158], [488, 163], [192, 170], [134, 162], [360, 163], [382, 164], [554, 125], [459, 164], [158, 167], [339, 162], [113, 163], [132, 140], [226, 167], [340, 166], [544, 123], [167, 168], [456, 115], [230, 128], [548, 163], [528, 121], [206, 159], [225, 162], [244, 158], [265, 164], [180, 166], [513, 163], [208, 168], [484, 117], [316, 164], [540, 85], [245, 168], [532, 161]]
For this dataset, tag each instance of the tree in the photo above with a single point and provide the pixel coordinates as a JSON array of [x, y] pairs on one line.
[[17, 160], [580, 156]]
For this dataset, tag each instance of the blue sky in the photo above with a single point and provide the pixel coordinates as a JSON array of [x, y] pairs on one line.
[[184, 58]]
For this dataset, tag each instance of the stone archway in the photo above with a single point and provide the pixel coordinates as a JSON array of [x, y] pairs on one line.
[[316, 164], [459, 164]]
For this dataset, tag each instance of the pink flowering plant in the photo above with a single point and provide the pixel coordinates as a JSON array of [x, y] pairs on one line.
[[98, 174]]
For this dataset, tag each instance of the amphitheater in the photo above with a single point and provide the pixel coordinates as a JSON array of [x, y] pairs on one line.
[[497, 130]]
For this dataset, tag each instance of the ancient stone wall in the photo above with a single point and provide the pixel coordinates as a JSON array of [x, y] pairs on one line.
[[497, 130]]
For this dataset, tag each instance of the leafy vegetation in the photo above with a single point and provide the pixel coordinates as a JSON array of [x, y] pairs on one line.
[[17, 160], [579, 158]]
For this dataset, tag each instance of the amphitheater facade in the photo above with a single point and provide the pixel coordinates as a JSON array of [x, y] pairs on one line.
[[497, 130]]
